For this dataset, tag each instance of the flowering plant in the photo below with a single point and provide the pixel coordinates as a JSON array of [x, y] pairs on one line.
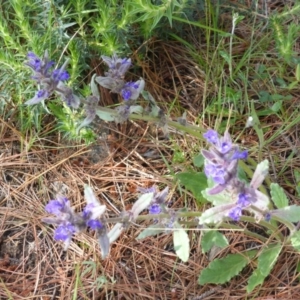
[[50, 81], [233, 197]]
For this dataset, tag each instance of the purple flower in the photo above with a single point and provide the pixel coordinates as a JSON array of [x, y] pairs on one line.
[[117, 66], [155, 209], [94, 224], [34, 62], [40, 66], [93, 210], [240, 154], [114, 78], [64, 232], [267, 217], [126, 93], [132, 90], [216, 172], [67, 221], [225, 147], [57, 207], [60, 75], [39, 96], [211, 136], [50, 81], [244, 200], [235, 213]]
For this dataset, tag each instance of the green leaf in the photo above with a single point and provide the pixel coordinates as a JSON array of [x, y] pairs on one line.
[[297, 175], [222, 270], [181, 242], [276, 107], [297, 73], [152, 230], [226, 56], [289, 213], [198, 160], [298, 190], [194, 182], [278, 195], [213, 238], [295, 240], [266, 261], [257, 126]]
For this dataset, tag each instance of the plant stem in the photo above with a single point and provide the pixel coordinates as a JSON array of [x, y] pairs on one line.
[[126, 219], [195, 131]]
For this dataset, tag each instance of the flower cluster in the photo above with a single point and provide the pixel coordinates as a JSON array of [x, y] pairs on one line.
[[114, 78], [158, 205], [69, 222], [221, 166], [158, 202], [222, 159], [50, 80]]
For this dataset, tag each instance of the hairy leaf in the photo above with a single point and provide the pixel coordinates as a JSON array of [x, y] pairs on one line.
[[142, 203], [289, 213], [215, 214], [136, 109], [104, 244], [218, 199], [115, 232], [213, 238], [181, 242], [260, 174], [152, 230], [222, 270], [105, 116], [278, 195], [266, 261]]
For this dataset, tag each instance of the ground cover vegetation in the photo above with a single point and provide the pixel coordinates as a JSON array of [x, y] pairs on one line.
[[149, 149]]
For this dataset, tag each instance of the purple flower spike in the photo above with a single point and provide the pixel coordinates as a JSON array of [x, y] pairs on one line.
[[117, 66], [34, 62], [211, 136], [50, 81]]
